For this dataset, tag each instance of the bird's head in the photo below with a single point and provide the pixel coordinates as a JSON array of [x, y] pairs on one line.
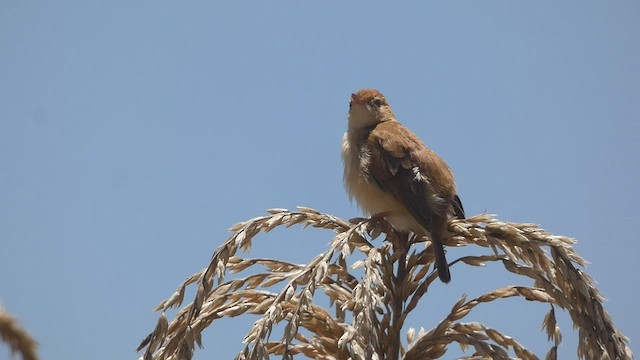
[[368, 107]]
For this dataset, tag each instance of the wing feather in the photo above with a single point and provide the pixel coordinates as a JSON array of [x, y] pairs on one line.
[[415, 175]]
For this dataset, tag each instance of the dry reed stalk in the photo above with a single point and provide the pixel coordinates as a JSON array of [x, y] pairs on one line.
[[396, 276], [18, 339]]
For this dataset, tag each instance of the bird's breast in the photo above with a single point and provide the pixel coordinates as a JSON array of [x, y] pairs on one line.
[[369, 196]]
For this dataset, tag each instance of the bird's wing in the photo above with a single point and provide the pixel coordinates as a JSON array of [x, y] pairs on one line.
[[405, 168], [458, 209]]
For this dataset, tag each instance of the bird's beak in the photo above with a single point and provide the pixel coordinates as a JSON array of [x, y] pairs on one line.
[[357, 99]]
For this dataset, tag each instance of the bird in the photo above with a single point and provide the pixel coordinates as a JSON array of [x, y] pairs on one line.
[[391, 173]]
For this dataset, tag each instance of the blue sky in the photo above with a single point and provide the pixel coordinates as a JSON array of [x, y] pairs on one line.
[[133, 134]]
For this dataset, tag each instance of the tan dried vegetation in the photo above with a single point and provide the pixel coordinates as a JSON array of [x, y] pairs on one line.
[[368, 309], [18, 339]]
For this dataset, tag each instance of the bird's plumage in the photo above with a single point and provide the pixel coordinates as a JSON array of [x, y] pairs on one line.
[[389, 171]]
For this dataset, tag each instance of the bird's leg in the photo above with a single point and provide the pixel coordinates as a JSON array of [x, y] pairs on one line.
[[387, 228], [375, 218]]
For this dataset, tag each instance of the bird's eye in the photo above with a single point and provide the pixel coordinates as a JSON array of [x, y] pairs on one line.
[[376, 102]]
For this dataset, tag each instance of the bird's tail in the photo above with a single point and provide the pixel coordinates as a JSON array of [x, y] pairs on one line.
[[438, 251]]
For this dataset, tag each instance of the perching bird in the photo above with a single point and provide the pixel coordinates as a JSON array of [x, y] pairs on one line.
[[391, 173]]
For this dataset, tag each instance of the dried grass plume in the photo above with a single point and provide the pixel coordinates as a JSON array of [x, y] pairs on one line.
[[18, 339], [371, 298]]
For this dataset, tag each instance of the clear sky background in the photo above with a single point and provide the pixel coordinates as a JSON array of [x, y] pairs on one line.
[[133, 134]]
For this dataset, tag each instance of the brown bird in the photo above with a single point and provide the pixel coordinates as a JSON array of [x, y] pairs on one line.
[[391, 173]]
